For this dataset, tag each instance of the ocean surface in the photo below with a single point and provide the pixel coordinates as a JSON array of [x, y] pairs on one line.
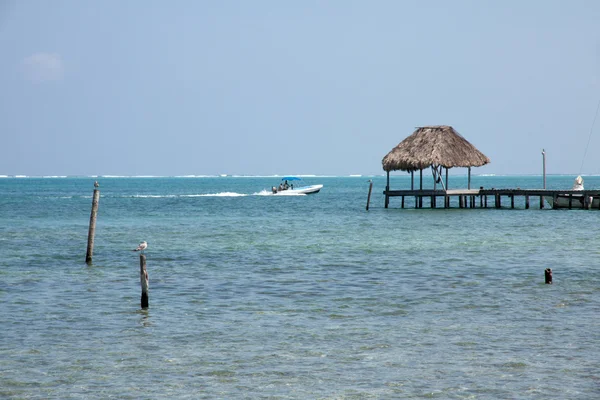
[[255, 296]]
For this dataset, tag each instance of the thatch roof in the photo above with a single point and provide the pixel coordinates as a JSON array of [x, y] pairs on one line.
[[433, 145]]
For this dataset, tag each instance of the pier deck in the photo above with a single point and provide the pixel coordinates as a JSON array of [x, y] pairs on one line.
[[468, 198]]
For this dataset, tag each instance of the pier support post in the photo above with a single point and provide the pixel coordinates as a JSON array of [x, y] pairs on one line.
[[527, 202], [548, 276], [541, 202], [570, 201], [144, 281], [92, 229], [387, 189]]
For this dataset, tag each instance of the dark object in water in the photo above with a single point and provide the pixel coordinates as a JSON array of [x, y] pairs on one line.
[[548, 276]]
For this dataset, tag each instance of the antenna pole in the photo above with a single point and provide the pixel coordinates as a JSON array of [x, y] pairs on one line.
[[544, 166]]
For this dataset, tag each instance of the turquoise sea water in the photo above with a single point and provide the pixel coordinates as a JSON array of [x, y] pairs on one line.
[[254, 296]]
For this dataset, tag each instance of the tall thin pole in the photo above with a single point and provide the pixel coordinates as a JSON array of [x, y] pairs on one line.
[[544, 166], [92, 230], [369, 196]]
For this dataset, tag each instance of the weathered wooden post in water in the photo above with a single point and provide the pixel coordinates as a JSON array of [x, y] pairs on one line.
[[92, 230], [369, 196], [144, 281], [548, 276]]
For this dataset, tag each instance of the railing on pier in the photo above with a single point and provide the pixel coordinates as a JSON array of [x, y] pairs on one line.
[[468, 198]]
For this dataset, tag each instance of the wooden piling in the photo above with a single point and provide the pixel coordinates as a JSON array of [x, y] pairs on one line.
[[548, 276], [369, 196], [570, 201], [92, 229], [144, 281]]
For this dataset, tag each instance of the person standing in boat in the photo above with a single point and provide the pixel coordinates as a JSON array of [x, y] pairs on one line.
[[285, 185]]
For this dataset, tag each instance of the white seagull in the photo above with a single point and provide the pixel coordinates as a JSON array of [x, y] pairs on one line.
[[142, 247]]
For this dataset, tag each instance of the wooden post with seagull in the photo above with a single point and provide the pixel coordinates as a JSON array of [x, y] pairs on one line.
[[92, 230], [144, 281]]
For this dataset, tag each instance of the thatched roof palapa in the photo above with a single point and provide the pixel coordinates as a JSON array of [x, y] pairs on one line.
[[433, 146]]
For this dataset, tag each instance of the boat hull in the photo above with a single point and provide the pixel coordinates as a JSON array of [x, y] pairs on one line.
[[577, 201], [301, 190]]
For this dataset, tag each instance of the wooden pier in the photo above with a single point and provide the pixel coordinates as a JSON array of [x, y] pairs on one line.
[[493, 198]]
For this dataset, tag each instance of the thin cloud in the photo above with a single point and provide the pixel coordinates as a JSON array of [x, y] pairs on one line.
[[43, 67]]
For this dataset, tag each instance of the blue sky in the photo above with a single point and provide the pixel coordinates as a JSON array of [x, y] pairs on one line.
[[293, 87]]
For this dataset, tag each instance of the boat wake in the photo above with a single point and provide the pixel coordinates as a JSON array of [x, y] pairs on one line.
[[221, 194]]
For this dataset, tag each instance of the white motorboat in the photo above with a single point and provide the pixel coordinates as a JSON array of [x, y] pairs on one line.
[[290, 185], [574, 200]]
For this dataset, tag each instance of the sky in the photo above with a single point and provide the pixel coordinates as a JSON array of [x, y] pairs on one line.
[[169, 88]]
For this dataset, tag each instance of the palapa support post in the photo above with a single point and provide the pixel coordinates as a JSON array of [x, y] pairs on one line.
[[369, 196], [548, 276], [92, 229], [387, 188], [144, 281]]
